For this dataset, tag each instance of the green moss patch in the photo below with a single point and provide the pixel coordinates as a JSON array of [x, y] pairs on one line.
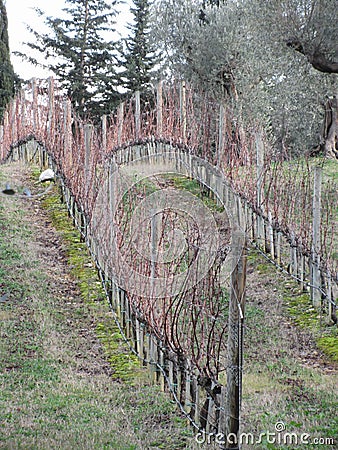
[[125, 364], [329, 345]]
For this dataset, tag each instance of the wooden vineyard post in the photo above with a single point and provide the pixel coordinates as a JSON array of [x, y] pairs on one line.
[[35, 104], [293, 255], [22, 109], [137, 114], [13, 121], [183, 111], [161, 358], [120, 116], [235, 341], [51, 106], [155, 237], [315, 263], [220, 134], [68, 132], [159, 121], [104, 133], [88, 129], [259, 185], [1, 141], [271, 236]]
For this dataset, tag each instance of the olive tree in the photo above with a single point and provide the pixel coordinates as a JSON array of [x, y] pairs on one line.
[[246, 52]]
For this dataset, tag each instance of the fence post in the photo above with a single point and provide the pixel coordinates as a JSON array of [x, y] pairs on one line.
[[104, 133], [220, 134], [120, 116], [155, 242], [316, 222], [235, 338], [161, 358], [68, 130], [330, 298], [51, 101], [13, 106], [293, 255], [183, 110], [1, 142], [88, 128], [35, 103], [22, 111], [159, 108], [137, 114], [271, 236], [259, 185]]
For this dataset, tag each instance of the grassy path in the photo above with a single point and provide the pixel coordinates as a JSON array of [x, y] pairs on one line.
[[57, 390]]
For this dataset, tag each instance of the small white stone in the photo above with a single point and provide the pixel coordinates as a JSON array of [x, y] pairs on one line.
[[47, 175]]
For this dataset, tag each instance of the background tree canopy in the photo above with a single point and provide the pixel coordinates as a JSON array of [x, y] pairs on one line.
[[8, 80], [274, 62]]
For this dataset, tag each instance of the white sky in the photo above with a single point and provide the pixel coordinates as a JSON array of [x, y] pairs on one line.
[[21, 12]]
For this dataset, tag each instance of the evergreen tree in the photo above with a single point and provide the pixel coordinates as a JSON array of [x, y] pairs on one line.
[[81, 58], [8, 79], [139, 59]]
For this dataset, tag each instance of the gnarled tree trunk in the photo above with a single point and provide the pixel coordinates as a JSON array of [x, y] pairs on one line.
[[329, 144]]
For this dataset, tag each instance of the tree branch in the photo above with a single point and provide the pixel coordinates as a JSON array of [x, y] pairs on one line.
[[317, 59]]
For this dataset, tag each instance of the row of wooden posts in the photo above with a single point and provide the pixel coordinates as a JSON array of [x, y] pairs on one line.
[[282, 249], [308, 269]]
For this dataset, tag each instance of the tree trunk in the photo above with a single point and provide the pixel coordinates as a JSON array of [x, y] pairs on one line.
[[329, 145]]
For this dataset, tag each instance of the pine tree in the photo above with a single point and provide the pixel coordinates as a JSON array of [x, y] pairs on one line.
[[81, 58], [8, 79], [139, 59]]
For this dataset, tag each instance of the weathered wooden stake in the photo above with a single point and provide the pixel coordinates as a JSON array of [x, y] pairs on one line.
[[293, 255], [161, 362], [159, 108], [183, 111], [137, 333], [316, 222], [88, 129], [51, 107], [271, 236], [235, 339], [120, 117], [67, 124], [137, 114], [220, 134], [259, 185], [1, 141], [35, 103], [13, 119], [104, 133], [278, 248]]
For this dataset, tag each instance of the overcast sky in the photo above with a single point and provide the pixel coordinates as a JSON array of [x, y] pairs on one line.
[[21, 12]]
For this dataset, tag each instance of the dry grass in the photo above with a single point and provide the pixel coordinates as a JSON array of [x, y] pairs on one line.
[[286, 377]]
